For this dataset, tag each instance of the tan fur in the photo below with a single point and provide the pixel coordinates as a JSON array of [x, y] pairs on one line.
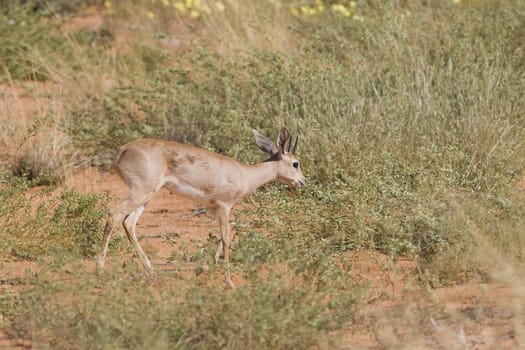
[[216, 181]]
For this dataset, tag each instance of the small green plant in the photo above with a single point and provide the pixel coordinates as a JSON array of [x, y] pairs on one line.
[[49, 221]]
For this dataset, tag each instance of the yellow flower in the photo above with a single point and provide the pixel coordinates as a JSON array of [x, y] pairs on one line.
[[294, 11], [194, 14], [276, 3], [109, 6], [220, 6], [341, 9], [205, 8], [150, 15], [179, 6]]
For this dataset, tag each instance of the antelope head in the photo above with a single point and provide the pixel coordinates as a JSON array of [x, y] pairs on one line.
[[288, 169]]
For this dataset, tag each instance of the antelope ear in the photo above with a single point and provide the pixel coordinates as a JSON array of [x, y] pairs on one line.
[[264, 143], [282, 139]]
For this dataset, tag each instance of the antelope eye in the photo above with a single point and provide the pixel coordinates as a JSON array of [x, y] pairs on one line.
[[295, 165]]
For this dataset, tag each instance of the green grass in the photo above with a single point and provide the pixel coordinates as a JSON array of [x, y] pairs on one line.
[[411, 128]]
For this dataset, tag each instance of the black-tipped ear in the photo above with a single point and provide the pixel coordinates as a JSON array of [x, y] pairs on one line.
[[282, 139], [264, 143], [275, 157]]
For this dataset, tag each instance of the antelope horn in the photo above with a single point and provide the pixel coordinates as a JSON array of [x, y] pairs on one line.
[[295, 145]]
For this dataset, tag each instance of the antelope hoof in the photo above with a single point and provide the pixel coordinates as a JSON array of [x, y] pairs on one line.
[[100, 267], [229, 282], [150, 275]]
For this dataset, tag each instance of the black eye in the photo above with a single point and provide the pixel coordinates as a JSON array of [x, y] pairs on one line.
[[295, 165]]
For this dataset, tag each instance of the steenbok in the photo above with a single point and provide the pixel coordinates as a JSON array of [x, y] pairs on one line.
[[216, 181]]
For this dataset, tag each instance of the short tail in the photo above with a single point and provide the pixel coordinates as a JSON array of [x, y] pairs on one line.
[[121, 151]]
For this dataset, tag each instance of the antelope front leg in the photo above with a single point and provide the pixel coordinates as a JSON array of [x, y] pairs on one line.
[[217, 212]]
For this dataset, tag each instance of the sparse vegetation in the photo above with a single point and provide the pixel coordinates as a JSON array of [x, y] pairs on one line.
[[411, 122]]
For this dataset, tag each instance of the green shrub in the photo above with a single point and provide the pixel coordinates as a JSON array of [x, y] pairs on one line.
[[49, 222]]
